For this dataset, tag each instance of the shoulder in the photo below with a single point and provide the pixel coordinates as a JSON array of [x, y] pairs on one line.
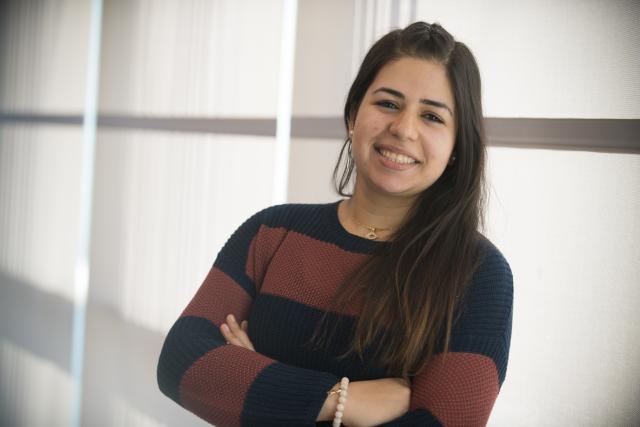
[[291, 213], [283, 214], [493, 269], [278, 216], [267, 227], [305, 218], [486, 307]]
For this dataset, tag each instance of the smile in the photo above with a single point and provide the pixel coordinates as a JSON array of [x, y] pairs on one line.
[[394, 160], [396, 157]]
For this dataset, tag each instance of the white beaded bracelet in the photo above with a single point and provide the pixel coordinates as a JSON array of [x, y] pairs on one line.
[[342, 399]]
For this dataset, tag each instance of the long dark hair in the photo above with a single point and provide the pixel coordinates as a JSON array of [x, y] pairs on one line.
[[415, 281]]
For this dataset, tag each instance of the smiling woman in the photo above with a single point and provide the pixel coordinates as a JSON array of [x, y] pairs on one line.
[[385, 308]]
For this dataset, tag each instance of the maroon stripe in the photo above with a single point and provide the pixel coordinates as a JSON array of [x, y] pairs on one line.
[[262, 247], [459, 389], [296, 266], [218, 296], [215, 386]]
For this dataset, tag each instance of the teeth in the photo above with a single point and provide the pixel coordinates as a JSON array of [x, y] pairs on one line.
[[398, 158]]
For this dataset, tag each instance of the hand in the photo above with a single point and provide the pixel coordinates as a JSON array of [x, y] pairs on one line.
[[236, 334], [375, 402]]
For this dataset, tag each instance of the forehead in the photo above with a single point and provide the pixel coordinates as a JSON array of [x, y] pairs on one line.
[[416, 79]]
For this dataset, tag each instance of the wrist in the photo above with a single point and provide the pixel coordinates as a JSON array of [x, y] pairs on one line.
[[342, 400], [334, 406], [328, 409], [349, 407]]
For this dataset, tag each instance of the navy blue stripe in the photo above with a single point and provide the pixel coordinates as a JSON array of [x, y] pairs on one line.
[[299, 406], [487, 304], [290, 326]]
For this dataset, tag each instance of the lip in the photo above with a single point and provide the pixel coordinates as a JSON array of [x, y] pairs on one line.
[[390, 164], [395, 150]]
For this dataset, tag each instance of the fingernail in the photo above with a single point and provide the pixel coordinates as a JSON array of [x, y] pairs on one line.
[[224, 327], [233, 319]]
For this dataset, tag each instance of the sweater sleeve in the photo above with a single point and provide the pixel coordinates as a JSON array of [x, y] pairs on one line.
[[229, 385], [460, 388]]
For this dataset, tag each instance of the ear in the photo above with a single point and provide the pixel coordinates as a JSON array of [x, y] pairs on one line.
[[350, 125]]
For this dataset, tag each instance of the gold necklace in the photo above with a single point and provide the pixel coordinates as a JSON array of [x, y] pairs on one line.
[[371, 235]]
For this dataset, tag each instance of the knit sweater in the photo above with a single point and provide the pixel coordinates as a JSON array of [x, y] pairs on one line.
[[279, 270]]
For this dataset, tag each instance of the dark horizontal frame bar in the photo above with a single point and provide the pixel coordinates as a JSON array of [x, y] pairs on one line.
[[43, 119], [603, 135], [255, 127], [240, 126]]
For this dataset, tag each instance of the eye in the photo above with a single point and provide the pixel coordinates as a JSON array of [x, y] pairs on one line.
[[432, 117], [387, 104]]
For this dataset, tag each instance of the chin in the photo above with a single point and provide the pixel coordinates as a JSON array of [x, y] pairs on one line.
[[401, 192], [384, 186]]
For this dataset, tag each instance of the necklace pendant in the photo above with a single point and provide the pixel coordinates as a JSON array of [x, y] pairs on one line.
[[371, 235]]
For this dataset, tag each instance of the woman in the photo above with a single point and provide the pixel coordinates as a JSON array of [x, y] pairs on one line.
[[392, 289]]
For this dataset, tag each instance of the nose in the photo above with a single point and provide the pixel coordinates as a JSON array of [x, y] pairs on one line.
[[404, 126]]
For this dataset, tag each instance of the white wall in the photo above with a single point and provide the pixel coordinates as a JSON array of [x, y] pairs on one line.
[[568, 224], [44, 48], [542, 58], [198, 58], [165, 204]]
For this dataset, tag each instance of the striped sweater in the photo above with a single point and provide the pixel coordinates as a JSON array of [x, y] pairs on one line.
[[279, 271]]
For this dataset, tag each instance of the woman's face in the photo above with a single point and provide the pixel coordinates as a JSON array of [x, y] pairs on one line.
[[404, 130]]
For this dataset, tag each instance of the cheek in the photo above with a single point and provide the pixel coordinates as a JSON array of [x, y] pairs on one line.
[[363, 139], [361, 153], [368, 125], [439, 151]]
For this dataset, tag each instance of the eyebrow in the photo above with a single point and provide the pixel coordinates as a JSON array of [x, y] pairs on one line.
[[431, 102]]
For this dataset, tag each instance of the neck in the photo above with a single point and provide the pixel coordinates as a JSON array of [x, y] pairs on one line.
[[384, 213]]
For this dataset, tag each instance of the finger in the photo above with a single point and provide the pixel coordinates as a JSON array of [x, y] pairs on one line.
[[234, 327], [238, 332], [233, 324], [245, 328], [228, 335]]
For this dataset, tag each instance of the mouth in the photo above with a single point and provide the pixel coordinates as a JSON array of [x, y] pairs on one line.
[[394, 156]]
